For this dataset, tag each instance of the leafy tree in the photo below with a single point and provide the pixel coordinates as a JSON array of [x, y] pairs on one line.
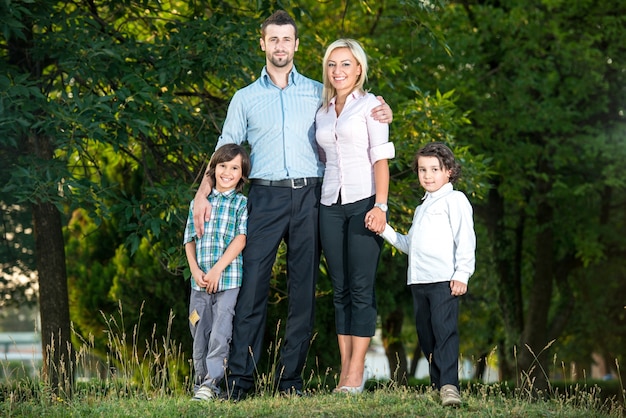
[[545, 83], [28, 139], [87, 79]]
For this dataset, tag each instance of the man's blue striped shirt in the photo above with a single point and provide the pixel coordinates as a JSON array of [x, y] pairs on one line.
[[279, 126]]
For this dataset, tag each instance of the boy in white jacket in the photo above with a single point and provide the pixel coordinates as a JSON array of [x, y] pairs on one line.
[[441, 246]]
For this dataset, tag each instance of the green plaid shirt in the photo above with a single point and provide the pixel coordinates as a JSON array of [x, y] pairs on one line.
[[229, 218]]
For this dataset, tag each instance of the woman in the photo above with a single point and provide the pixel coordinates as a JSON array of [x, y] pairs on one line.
[[355, 149]]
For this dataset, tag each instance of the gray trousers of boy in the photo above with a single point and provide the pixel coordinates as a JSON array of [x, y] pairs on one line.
[[211, 334]]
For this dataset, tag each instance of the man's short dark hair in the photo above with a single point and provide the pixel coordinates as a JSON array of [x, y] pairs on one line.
[[279, 17]]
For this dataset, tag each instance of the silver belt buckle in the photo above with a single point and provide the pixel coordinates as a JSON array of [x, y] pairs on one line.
[[298, 183]]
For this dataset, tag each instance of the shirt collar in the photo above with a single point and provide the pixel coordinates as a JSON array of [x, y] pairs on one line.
[[354, 95], [445, 189], [227, 194], [294, 76]]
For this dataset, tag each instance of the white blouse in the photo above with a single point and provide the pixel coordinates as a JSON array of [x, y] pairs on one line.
[[350, 145]]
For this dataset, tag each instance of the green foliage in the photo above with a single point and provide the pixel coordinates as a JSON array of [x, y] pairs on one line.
[[546, 93], [131, 97]]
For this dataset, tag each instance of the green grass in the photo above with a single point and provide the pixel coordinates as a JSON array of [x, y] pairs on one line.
[[486, 401], [154, 382], [113, 398]]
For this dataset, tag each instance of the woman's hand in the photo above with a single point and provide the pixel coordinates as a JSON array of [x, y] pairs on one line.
[[375, 220]]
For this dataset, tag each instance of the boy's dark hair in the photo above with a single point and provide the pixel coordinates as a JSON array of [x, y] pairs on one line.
[[443, 154], [227, 153], [279, 17]]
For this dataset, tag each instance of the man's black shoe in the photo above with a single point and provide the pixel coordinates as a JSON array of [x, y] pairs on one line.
[[234, 394], [292, 392]]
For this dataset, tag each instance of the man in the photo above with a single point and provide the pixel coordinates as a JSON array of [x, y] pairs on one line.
[[276, 116]]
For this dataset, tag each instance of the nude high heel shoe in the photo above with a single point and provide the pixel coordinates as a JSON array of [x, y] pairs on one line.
[[355, 389]]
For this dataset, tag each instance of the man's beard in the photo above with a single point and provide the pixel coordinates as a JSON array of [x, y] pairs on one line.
[[277, 62]]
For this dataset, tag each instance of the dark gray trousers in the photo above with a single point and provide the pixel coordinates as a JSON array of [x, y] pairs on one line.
[[274, 214], [436, 320]]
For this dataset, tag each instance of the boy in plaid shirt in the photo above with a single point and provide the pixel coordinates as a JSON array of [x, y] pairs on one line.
[[215, 262]]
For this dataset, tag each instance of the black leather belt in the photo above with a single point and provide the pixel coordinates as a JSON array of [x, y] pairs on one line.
[[293, 183]]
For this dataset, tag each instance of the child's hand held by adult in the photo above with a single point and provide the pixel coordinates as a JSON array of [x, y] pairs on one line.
[[375, 220], [458, 288]]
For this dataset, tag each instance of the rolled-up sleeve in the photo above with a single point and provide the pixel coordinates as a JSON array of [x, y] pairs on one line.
[[384, 151]]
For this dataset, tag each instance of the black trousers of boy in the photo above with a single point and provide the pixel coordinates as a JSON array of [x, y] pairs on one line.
[[436, 320]]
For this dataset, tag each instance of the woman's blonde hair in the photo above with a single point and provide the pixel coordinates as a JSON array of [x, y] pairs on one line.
[[359, 54]]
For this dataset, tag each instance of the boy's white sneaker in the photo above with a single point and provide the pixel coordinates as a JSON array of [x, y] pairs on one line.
[[450, 396], [205, 393]]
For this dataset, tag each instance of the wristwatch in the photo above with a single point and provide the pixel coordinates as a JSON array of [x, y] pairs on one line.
[[381, 206]]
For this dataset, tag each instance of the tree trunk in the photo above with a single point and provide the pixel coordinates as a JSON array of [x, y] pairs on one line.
[[53, 292], [394, 349], [507, 252], [534, 350], [53, 298]]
